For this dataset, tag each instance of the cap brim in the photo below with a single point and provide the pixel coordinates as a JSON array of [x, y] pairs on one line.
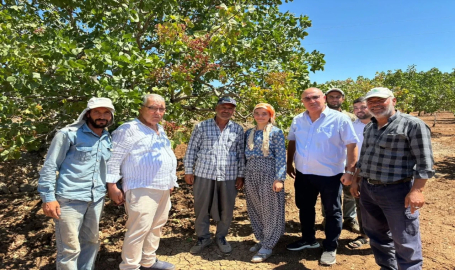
[[378, 95]]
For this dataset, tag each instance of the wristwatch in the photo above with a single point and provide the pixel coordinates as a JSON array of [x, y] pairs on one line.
[[349, 172]]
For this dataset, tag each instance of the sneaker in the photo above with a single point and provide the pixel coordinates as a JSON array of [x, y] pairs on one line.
[[256, 247], [352, 225], [328, 257], [201, 244], [224, 246], [159, 265], [300, 244], [260, 257]]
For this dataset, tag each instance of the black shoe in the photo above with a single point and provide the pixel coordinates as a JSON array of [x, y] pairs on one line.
[[300, 244]]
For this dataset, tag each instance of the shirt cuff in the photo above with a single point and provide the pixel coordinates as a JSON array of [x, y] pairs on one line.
[[48, 197], [423, 174], [113, 178], [189, 171]]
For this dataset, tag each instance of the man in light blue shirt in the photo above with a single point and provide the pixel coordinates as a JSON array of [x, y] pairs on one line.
[[320, 140], [75, 198]]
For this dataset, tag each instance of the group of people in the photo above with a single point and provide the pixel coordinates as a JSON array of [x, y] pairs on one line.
[[381, 156]]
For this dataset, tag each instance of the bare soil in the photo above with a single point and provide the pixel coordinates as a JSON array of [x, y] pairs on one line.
[[28, 242]]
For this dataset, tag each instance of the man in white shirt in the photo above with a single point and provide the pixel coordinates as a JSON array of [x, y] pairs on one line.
[[320, 140], [363, 118], [143, 158]]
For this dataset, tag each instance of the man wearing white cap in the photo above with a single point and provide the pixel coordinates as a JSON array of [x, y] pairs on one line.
[[395, 162], [75, 198]]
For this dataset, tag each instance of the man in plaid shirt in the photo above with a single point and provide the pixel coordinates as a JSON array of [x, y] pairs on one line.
[[214, 163], [395, 162]]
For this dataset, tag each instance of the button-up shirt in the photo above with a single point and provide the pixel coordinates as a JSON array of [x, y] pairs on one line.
[[79, 156], [143, 158], [358, 127], [400, 149], [277, 149], [215, 154], [321, 145]]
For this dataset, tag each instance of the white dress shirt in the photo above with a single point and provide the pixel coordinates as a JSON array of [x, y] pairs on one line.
[[321, 145], [143, 158], [359, 127]]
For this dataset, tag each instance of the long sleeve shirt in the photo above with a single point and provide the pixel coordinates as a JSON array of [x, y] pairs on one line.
[[142, 158], [277, 149], [400, 149], [79, 156], [215, 154]]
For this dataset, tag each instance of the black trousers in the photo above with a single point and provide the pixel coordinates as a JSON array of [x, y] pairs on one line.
[[307, 188]]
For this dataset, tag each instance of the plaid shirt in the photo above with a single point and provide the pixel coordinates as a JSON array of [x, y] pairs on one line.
[[215, 154], [400, 149]]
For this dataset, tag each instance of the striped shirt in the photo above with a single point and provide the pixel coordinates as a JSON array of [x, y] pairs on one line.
[[143, 158], [400, 149], [215, 154]]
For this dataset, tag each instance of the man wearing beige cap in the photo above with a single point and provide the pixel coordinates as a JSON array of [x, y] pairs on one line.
[[395, 162], [75, 198]]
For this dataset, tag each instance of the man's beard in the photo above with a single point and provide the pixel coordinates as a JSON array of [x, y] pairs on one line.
[[334, 107], [364, 116], [95, 125], [387, 112]]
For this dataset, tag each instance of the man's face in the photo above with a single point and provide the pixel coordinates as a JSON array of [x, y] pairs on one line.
[[313, 99], [361, 110], [153, 111], [334, 100], [224, 111], [381, 107], [99, 117]]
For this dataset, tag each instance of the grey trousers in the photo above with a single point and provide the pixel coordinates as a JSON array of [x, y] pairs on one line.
[[216, 199]]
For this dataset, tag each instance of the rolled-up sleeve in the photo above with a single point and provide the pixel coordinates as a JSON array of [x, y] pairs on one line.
[[192, 150], [347, 131], [420, 144], [55, 156]]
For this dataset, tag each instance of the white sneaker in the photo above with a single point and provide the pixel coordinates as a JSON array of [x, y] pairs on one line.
[[329, 257]]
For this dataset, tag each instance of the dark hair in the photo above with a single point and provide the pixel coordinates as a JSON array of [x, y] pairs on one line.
[[360, 99]]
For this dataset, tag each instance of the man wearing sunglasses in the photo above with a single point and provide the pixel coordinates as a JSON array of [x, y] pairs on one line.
[[320, 141]]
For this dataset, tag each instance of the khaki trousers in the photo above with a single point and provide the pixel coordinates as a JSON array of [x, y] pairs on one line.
[[147, 210]]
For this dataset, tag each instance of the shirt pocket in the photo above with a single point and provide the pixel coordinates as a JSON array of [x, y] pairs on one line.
[[106, 150], [84, 153], [395, 141]]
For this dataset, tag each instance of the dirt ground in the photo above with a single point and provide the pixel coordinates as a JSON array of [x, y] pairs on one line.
[[28, 242]]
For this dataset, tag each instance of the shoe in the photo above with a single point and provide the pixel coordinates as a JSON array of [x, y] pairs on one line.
[[260, 257], [201, 244], [256, 247], [300, 244], [159, 265], [328, 257], [224, 246], [352, 225]]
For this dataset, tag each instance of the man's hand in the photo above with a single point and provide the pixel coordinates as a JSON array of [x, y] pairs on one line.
[[346, 179], [414, 199], [115, 194], [52, 209], [355, 189], [189, 179], [239, 183], [291, 171], [277, 185]]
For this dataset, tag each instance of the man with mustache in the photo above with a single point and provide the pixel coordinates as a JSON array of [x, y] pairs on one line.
[[75, 198], [214, 163], [320, 141], [142, 157], [395, 162]]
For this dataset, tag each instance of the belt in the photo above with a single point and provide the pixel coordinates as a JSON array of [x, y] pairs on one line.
[[379, 182]]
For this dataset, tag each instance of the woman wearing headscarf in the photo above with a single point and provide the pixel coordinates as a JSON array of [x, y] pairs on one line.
[[265, 173]]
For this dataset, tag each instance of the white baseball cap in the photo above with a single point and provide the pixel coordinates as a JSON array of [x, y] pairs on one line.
[[380, 92]]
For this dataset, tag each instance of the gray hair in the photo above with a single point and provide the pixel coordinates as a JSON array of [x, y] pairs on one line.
[[157, 97]]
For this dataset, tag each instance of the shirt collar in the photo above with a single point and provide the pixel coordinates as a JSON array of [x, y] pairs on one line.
[[160, 128], [86, 129], [214, 122]]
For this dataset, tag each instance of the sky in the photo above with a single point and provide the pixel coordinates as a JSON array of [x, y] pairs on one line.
[[361, 37]]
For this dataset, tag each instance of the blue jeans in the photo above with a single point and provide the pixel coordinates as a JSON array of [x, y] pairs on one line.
[[393, 230], [307, 187], [77, 233]]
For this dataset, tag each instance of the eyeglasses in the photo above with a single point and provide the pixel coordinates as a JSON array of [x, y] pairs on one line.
[[308, 99], [155, 109]]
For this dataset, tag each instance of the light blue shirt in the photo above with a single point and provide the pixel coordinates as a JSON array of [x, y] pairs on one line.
[[321, 145], [79, 156], [142, 157]]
